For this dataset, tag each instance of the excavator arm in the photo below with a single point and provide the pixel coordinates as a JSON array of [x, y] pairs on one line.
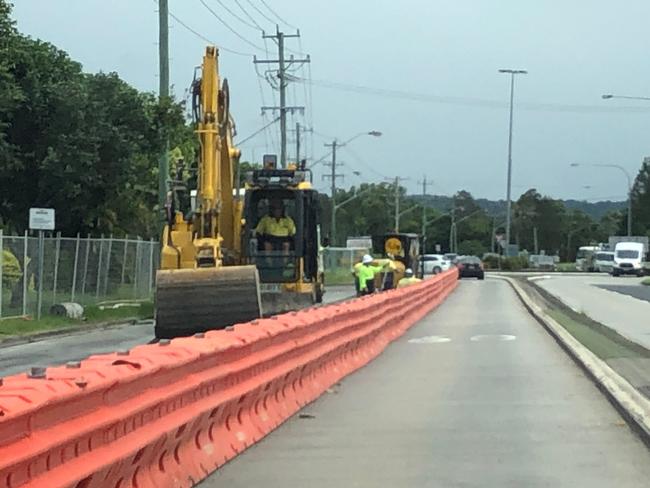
[[201, 284]]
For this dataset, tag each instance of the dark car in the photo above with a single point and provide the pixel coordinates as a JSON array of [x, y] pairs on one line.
[[471, 267]]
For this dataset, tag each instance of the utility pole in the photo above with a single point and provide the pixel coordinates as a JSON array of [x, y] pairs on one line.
[[283, 65], [297, 143], [163, 92], [424, 214], [536, 246], [396, 182], [333, 176]]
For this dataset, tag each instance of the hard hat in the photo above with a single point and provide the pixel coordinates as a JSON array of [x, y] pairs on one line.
[[367, 259], [408, 272]]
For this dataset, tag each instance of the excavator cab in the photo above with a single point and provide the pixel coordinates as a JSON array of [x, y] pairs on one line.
[[281, 238]]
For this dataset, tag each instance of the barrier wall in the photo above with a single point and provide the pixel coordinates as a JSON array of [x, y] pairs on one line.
[[170, 414]]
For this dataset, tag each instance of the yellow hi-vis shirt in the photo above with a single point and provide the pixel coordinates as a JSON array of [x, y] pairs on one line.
[[367, 272], [282, 227], [408, 281]]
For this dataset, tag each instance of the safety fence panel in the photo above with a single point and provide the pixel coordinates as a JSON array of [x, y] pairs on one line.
[[78, 269], [338, 263], [170, 414]]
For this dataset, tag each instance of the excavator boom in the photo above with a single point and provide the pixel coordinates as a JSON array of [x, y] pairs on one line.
[[202, 284]]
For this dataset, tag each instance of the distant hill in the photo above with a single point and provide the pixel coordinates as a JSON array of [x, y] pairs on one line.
[[595, 210]]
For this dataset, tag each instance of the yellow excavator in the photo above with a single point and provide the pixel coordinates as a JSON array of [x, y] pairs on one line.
[[203, 283]]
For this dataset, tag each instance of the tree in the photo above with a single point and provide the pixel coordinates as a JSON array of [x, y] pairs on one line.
[[641, 200]]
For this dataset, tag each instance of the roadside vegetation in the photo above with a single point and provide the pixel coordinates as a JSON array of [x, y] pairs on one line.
[[92, 315]]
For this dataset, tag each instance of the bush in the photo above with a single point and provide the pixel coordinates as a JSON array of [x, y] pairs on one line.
[[514, 263], [646, 282], [491, 261]]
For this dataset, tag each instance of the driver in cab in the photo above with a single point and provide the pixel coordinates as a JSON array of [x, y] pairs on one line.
[[276, 229]]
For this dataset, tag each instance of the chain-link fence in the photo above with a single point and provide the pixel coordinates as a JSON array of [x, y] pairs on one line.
[[338, 263], [83, 269]]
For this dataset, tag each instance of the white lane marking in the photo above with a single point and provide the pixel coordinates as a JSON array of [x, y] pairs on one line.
[[492, 337], [536, 278], [430, 340]]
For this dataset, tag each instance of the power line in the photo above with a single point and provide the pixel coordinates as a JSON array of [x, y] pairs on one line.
[[260, 12], [252, 19], [356, 157], [204, 38], [225, 24], [277, 16], [246, 23], [476, 102]]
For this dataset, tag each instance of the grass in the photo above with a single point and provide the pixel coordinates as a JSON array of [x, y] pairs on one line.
[[92, 315], [602, 341], [646, 281], [566, 267], [338, 276]]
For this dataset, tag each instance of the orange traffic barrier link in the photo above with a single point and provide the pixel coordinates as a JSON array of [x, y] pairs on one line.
[[169, 414]]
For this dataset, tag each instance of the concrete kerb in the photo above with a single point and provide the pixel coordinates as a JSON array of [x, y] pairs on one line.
[[80, 329], [633, 406]]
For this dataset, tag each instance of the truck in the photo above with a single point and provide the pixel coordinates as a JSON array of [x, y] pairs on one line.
[[585, 258], [613, 240]]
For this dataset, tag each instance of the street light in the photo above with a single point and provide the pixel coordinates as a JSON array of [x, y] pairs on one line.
[[629, 188], [512, 73], [373, 133], [609, 96]]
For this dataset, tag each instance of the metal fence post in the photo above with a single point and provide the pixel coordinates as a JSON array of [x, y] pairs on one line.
[[25, 274], [2, 251], [152, 274], [57, 254], [74, 270], [39, 297], [108, 264], [126, 246], [85, 273], [99, 265], [136, 269]]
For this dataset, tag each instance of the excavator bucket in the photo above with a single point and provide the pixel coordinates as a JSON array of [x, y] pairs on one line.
[[277, 303], [201, 299]]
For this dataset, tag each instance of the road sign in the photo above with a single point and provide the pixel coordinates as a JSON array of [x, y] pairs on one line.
[[41, 218]]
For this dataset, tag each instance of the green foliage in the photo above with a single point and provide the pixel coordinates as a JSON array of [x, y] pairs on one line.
[[514, 263], [646, 281], [641, 201], [85, 144]]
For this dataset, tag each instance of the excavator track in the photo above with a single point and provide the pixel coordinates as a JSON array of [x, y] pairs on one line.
[[201, 299]]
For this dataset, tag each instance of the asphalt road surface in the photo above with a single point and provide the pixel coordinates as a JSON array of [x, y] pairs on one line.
[[476, 395], [60, 350]]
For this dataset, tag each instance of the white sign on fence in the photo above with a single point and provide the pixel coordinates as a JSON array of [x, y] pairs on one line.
[[41, 218]]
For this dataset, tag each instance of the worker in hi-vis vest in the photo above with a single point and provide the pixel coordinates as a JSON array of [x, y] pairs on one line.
[[366, 273], [408, 279]]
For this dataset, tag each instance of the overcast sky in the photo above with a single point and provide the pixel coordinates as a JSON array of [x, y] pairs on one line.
[[453, 126]]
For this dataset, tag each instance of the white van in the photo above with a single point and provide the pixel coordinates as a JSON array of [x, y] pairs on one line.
[[604, 261], [628, 258]]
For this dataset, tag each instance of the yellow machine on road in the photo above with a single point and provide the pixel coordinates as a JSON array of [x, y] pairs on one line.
[[202, 283], [216, 269]]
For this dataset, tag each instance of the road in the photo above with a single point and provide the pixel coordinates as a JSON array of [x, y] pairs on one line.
[[476, 395], [593, 295], [60, 350]]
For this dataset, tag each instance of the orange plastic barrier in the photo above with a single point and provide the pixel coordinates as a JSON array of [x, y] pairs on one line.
[[169, 414]]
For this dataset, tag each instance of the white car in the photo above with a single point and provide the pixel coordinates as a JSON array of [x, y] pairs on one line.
[[434, 263], [603, 261]]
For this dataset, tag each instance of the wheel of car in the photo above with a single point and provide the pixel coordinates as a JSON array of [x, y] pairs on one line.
[[482, 277], [437, 270], [615, 273]]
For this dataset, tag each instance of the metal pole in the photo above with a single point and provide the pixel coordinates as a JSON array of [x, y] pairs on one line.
[[424, 214], [508, 191], [283, 102], [629, 202], [25, 241], [39, 297], [84, 276], [136, 268], [297, 143], [163, 65], [397, 204], [108, 264], [99, 266], [57, 253], [1, 268], [151, 272], [74, 270], [333, 196], [126, 245]]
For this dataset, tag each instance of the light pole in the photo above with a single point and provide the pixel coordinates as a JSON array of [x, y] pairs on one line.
[[334, 175], [629, 188], [512, 73]]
